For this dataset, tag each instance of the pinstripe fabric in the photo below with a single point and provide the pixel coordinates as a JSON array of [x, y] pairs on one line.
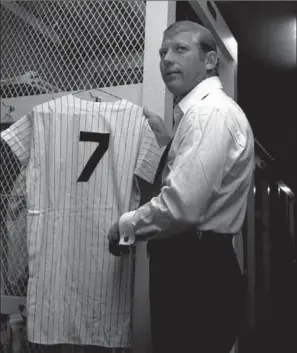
[[78, 293]]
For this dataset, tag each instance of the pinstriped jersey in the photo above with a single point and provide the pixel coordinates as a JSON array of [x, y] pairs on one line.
[[81, 159]]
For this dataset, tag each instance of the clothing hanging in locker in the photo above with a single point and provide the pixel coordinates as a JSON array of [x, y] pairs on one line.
[[81, 158]]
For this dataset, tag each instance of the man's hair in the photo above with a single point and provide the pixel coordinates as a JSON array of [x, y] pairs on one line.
[[201, 35]]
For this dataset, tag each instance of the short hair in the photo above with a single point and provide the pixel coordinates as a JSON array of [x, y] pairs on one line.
[[202, 35]]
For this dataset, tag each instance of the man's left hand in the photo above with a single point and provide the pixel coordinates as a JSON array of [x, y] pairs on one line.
[[114, 238]]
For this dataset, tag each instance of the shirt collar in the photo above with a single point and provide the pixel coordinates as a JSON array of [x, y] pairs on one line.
[[198, 93]]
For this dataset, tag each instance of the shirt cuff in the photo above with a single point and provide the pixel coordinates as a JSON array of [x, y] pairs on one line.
[[127, 236]]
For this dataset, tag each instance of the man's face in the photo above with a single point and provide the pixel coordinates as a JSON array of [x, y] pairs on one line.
[[181, 65]]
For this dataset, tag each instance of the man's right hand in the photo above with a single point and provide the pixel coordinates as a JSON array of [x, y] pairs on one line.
[[158, 127], [114, 241]]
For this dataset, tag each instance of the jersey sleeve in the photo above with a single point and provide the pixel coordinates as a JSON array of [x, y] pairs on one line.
[[149, 155], [18, 136]]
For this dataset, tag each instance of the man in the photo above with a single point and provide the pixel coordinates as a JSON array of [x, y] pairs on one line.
[[194, 273]]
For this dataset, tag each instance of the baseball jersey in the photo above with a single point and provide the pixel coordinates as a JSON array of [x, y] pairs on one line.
[[81, 159]]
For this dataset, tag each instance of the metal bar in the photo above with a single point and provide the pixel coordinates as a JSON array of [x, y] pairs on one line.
[[264, 150], [291, 220], [251, 261], [218, 27], [266, 244]]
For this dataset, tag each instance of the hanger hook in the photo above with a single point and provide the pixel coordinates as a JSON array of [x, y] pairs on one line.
[[11, 108], [97, 99]]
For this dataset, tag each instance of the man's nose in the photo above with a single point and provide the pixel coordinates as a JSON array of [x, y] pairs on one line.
[[168, 57]]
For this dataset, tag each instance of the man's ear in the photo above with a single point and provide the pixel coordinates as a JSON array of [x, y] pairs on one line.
[[211, 59]]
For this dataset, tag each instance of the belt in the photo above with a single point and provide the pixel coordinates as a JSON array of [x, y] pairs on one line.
[[203, 237], [210, 235]]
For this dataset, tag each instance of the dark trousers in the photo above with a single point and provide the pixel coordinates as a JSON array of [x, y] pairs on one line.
[[195, 294]]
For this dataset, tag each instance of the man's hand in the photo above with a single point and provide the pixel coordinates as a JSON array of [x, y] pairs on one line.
[[158, 127], [114, 239]]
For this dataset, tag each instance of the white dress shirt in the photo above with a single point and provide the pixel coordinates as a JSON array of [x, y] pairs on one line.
[[208, 173]]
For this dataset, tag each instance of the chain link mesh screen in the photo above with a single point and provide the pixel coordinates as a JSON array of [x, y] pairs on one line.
[[53, 46], [14, 257], [4, 333], [50, 46]]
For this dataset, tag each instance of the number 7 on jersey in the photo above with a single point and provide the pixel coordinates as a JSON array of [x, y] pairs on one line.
[[103, 140]]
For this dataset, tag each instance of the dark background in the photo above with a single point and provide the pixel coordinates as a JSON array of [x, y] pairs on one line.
[[267, 92], [267, 76]]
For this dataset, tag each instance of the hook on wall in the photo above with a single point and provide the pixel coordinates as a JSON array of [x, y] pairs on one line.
[[11, 108]]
